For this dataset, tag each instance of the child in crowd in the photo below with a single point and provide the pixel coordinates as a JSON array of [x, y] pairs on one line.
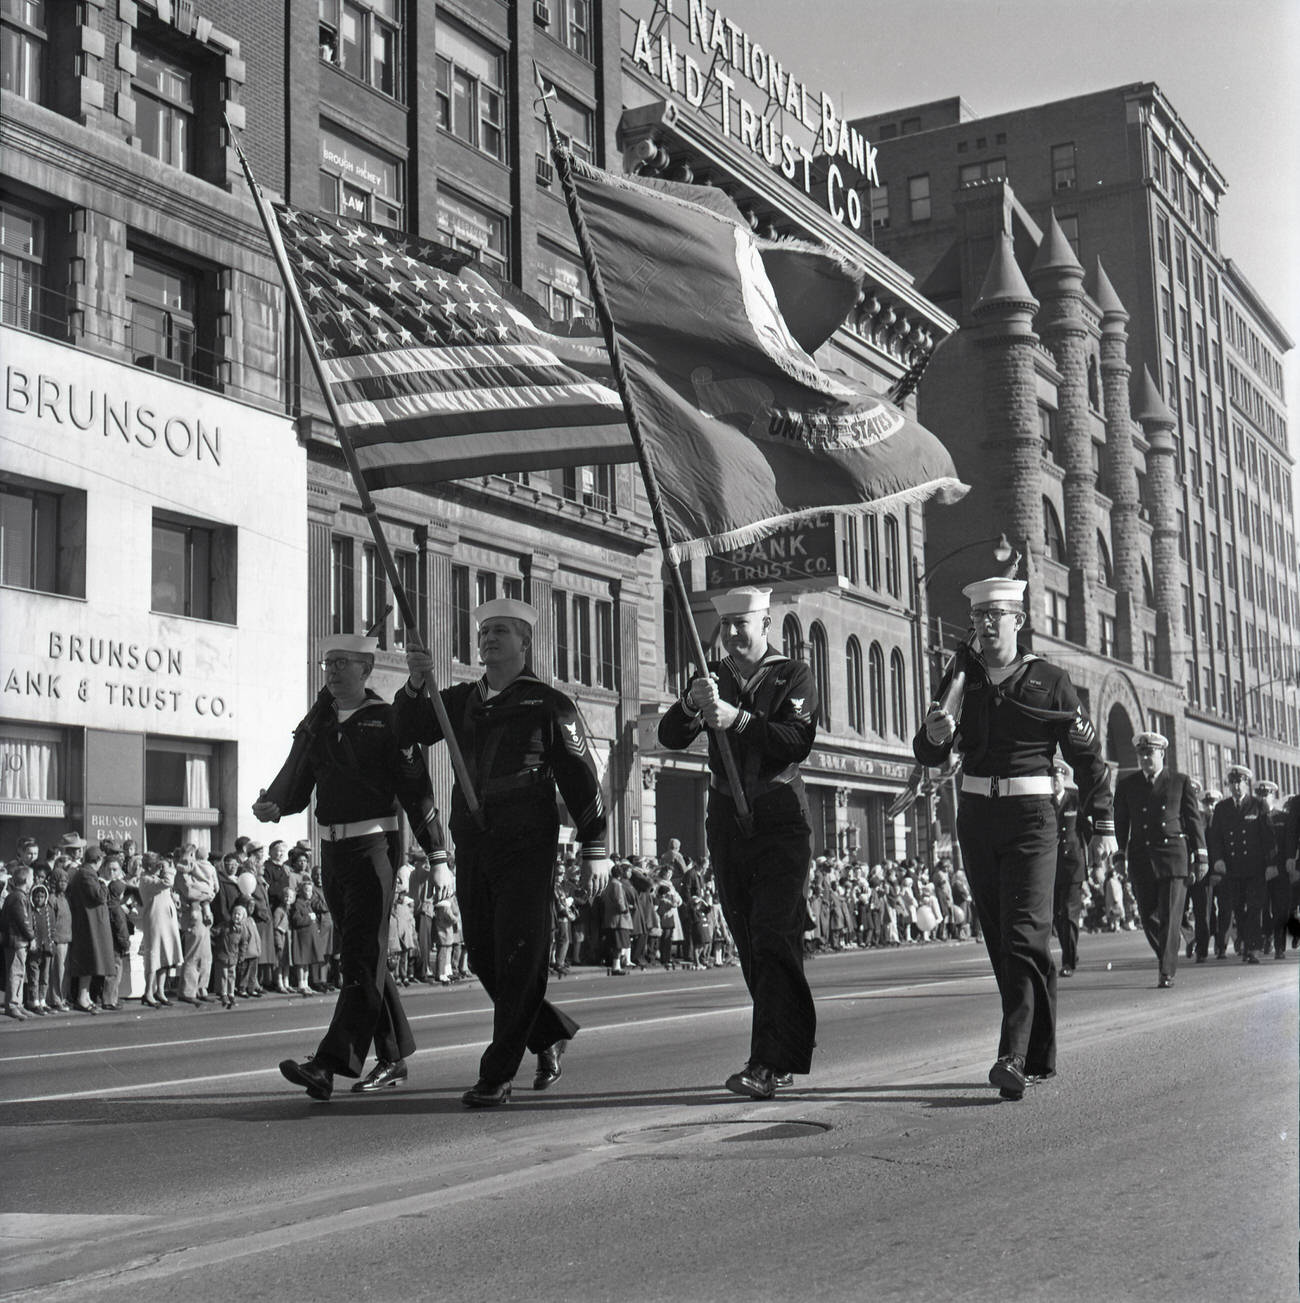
[[228, 949], [40, 952], [447, 933], [701, 930], [280, 926], [121, 927], [60, 935], [302, 939], [401, 934], [250, 951]]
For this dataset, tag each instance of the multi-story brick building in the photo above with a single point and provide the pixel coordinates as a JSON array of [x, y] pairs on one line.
[[134, 269], [1164, 569]]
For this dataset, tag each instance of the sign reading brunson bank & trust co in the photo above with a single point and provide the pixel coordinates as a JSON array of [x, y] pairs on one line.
[[710, 63]]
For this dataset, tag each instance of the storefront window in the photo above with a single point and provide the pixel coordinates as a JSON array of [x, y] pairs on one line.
[[180, 782], [358, 180], [473, 229]]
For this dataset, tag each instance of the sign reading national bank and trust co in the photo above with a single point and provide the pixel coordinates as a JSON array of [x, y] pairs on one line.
[[795, 558], [710, 64]]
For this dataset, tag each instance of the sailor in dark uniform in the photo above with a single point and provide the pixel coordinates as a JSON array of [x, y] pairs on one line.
[[1157, 824], [347, 751], [1277, 882], [1241, 849], [767, 705], [521, 740], [1071, 867], [1015, 712], [1204, 891]]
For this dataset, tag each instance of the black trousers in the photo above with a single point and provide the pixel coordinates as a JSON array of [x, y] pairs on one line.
[[357, 878], [1160, 904], [504, 886], [1245, 895], [1009, 846], [761, 890], [1278, 894], [1204, 896], [1067, 906]]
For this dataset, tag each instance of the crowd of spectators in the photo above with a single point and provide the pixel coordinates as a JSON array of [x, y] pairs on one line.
[[86, 927]]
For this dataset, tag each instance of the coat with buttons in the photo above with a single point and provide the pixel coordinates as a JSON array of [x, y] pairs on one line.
[[1158, 824], [1241, 837]]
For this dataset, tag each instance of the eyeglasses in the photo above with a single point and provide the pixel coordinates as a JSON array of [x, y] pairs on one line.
[[990, 614], [338, 662]]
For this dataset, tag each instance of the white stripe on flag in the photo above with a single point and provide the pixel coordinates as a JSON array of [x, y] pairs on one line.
[[405, 407]]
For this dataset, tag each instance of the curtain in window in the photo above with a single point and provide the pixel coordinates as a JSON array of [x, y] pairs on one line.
[[29, 770], [198, 795]]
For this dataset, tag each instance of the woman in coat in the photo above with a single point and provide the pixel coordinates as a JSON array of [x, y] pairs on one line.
[[90, 952], [160, 930]]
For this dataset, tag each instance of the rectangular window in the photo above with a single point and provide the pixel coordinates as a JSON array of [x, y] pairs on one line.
[[849, 549], [1107, 629], [893, 558], [470, 89], [991, 169], [358, 180], [462, 647], [512, 586], [606, 660], [574, 124], [1180, 259], [871, 552], [1148, 651], [408, 571], [164, 107], [161, 303], [582, 639], [23, 48], [560, 649], [575, 26], [918, 197], [593, 486], [1166, 312], [1162, 239], [363, 37], [374, 595], [470, 227], [1064, 173], [22, 254], [341, 596], [1054, 608], [193, 572], [42, 537], [485, 587], [880, 208]]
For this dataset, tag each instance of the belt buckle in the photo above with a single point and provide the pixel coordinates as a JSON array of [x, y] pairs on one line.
[[334, 834], [993, 786]]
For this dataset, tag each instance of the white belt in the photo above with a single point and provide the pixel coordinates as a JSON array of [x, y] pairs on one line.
[[1030, 785], [337, 832]]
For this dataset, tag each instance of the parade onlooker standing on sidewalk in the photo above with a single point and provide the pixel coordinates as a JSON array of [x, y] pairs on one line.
[[522, 740], [122, 929], [160, 931], [1162, 840], [90, 953], [18, 932], [766, 704], [1017, 709], [196, 886], [40, 953], [346, 751]]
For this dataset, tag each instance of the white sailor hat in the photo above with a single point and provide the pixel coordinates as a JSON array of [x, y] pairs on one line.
[[996, 592], [742, 601], [349, 644], [505, 608], [1151, 739], [1243, 770]]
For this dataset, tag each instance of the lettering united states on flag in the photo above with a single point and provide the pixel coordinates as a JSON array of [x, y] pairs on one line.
[[439, 369]]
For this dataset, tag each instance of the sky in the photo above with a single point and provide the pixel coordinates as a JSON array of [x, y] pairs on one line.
[[1230, 68]]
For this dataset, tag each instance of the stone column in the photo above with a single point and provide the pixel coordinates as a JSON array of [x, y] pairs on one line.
[[1118, 461], [1158, 424], [1057, 278]]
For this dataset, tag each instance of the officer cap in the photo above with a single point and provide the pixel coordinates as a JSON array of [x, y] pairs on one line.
[[1242, 770], [1266, 787], [742, 601], [1151, 739], [1212, 796], [349, 644], [506, 608], [996, 592]]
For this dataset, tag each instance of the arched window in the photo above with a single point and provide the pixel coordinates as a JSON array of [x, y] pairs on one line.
[[853, 669], [1105, 570], [876, 672], [1148, 588], [898, 693], [792, 638], [819, 656], [1053, 535]]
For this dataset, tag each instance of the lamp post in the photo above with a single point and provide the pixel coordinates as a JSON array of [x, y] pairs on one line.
[[921, 652]]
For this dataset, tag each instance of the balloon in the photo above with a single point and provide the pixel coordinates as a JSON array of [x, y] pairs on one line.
[[247, 883]]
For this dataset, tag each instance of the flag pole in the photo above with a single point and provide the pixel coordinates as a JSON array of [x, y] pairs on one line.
[[563, 167], [368, 507]]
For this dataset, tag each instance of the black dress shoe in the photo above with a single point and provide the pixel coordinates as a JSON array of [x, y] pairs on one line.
[[381, 1075], [549, 1069], [1037, 1078], [1250, 957], [1008, 1075], [783, 1078], [1164, 982], [483, 1094], [753, 1080], [319, 1081]]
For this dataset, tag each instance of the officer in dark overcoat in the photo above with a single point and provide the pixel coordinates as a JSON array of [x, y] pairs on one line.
[[521, 740], [1161, 837], [767, 706], [1204, 891], [1071, 867], [1015, 711], [1241, 849], [1277, 882], [346, 750]]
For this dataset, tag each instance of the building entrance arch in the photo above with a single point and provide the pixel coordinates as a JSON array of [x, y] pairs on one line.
[[1120, 706]]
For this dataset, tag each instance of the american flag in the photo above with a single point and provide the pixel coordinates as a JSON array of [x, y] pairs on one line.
[[439, 369]]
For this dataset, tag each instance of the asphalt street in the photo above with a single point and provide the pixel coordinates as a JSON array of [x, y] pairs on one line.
[[159, 1155]]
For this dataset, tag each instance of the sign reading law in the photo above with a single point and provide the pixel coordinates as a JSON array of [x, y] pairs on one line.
[[705, 60]]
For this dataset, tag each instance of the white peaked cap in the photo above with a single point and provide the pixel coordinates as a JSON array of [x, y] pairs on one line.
[[349, 644], [742, 601], [990, 592], [506, 608], [1152, 739]]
